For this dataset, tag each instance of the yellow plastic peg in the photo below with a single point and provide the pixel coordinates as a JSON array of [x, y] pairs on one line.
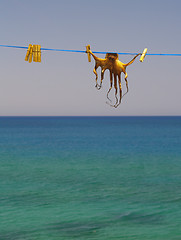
[[39, 53], [143, 55], [31, 52], [88, 53], [35, 55], [28, 52]]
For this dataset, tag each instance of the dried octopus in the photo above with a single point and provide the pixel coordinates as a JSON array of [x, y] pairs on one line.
[[115, 67]]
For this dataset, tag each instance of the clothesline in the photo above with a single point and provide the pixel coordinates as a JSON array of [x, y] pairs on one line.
[[81, 51]]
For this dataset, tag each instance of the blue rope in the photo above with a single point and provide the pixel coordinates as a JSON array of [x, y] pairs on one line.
[[164, 54], [79, 51], [13, 46], [63, 50]]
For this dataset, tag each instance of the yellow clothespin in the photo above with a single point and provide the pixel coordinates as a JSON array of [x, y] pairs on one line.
[[143, 55], [39, 53], [28, 53], [88, 53], [31, 52], [35, 56]]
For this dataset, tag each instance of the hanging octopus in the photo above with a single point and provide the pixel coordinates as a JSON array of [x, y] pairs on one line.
[[115, 67]]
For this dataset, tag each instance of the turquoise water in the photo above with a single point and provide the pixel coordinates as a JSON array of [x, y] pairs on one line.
[[90, 178]]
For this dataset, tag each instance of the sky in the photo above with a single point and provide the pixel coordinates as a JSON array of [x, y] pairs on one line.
[[63, 84]]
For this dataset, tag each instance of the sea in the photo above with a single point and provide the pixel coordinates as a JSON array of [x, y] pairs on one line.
[[98, 178]]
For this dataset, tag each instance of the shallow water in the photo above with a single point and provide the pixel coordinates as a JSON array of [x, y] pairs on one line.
[[90, 178]]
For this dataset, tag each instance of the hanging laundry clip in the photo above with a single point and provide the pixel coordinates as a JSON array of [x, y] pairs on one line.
[[39, 53], [88, 53], [35, 55], [143, 55], [28, 52], [35, 52]]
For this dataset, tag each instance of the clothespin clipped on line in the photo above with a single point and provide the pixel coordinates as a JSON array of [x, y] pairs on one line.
[[88, 53], [143, 54], [35, 51], [28, 54]]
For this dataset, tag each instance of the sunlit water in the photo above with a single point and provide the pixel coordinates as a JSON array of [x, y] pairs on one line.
[[90, 178]]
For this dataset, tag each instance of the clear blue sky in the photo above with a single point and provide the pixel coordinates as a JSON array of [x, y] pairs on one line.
[[64, 84]]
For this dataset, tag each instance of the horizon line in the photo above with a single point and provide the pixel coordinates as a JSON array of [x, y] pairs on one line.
[[89, 116]]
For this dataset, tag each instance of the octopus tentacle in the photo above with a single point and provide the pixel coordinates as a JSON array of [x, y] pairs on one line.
[[129, 63], [120, 90], [110, 86], [116, 89], [95, 72], [102, 76], [125, 78]]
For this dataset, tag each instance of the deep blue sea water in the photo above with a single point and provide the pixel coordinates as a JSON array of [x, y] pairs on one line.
[[90, 178]]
